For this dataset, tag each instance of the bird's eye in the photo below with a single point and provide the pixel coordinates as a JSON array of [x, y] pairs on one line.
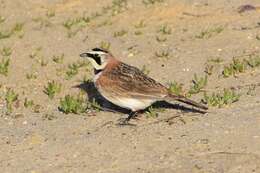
[[97, 58]]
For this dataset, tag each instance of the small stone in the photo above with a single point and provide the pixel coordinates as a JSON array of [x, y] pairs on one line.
[[18, 116], [247, 7]]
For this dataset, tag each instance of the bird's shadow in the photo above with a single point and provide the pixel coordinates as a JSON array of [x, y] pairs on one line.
[[94, 95]]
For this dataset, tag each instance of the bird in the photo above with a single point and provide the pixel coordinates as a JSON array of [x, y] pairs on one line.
[[127, 86]]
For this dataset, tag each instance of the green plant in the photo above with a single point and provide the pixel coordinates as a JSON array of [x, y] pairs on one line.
[[228, 71], [2, 19], [162, 54], [37, 55], [50, 13], [35, 52], [94, 105], [198, 84], [176, 88], [253, 61], [10, 98], [5, 34], [18, 27], [120, 33], [73, 69], [165, 30], [150, 2], [75, 25], [153, 112], [31, 75], [237, 66], [140, 24], [71, 104], [118, 6], [209, 69], [251, 90], [52, 88], [42, 61], [6, 51], [221, 99], [76, 22], [4, 66], [28, 103], [58, 59], [105, 45], [216, 60], [206, 34]]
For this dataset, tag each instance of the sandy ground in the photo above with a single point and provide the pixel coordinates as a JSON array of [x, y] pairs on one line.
[[41, 139]]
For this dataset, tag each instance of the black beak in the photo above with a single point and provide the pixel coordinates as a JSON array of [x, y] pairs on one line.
[[83, 55]]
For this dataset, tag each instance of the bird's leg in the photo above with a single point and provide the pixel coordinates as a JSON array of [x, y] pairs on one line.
[[130, 116], [125, 121]]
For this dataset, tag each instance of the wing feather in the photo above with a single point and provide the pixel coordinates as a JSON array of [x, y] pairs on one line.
[[130, 81]]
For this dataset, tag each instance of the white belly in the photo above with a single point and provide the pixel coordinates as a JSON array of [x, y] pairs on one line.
[[131, 103], [128, 103]]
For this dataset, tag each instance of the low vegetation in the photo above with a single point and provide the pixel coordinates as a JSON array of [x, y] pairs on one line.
[[120, 33], [221, 99], [151, 2], [74, 25], [165, 29], [176, 88], [198, 83], [208, 33], [16, 29], [240, 66], [28, 103], [58, 58], [105, 45], [4, 66], [10, 98], [72, 104], [6, 51], [237, 66], [52, 89], [73, 68], [162, 54], [153, 112]]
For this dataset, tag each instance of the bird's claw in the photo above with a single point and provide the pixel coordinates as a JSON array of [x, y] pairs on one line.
[[124, 122]]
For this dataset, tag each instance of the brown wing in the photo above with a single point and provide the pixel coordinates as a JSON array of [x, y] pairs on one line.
[[129, 81]]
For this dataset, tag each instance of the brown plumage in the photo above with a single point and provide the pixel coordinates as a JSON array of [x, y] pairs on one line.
[[126, 85]]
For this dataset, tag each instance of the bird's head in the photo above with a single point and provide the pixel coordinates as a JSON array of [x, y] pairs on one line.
[[99, 58]]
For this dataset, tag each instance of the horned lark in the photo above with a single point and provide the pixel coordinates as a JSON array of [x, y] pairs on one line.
[[127, 86]]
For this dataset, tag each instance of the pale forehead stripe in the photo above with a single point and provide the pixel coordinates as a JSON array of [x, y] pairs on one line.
[[97, 52]]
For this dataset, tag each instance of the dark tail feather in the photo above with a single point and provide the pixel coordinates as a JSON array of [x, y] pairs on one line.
[[188, 101]]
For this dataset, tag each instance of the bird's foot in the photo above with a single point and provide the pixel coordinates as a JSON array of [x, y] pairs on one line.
[[125, 121]]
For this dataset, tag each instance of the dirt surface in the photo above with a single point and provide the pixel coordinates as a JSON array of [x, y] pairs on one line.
[[36, 137]]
